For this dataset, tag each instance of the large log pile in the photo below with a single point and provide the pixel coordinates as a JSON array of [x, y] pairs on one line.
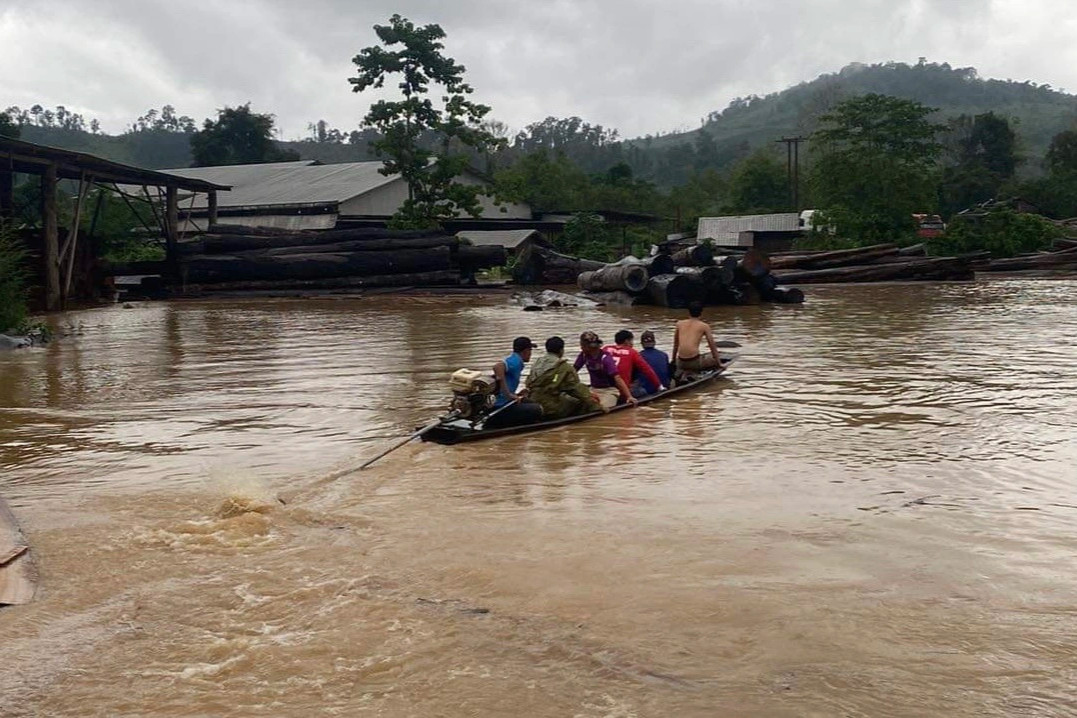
[[692, 274], [1062, 259], [230, 258], [538, 265], [875, 263]]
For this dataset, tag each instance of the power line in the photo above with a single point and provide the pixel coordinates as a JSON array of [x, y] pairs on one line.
[[792, 151]]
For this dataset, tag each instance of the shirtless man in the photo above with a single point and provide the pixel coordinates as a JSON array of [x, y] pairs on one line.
[[686, 339]]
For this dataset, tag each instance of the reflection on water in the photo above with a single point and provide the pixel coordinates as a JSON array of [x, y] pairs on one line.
[[872, 514]]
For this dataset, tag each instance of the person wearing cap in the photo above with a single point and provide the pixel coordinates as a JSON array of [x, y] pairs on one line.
[[508, 372], [606, 380], [556, 387], [630, 364], [657, 359]]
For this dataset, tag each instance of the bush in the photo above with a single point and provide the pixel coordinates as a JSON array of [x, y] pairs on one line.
[[14, 291], [1002, 232]]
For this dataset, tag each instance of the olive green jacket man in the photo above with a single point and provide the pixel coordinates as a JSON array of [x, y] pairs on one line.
[[554, 384]]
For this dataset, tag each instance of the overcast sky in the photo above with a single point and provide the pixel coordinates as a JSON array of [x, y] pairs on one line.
[[641, 66]]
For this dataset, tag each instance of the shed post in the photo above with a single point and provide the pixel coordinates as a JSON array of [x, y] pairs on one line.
[[7, 191], [172, 228], [52, 238], [212, 209]]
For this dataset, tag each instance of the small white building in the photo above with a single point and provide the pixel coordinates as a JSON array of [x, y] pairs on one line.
[[309, 195], [727, 230]]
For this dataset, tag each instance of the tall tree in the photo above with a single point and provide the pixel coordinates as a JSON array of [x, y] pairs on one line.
[[433, 193], [982, 153], [8, 126], [1062, 154], [238, 137], [874, 166], [759, 183]]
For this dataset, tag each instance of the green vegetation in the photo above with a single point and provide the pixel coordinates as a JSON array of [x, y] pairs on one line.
[[14, 292], [878, 153], [237, 137], [1002, 232], [402, 125], [874, 167]]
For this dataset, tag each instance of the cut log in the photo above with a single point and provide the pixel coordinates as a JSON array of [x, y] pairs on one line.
[[732, 294], [937, 268], [1051, 260], [711, 277], [358, 245], [698, 255], [615, 278], [787, 295], [471, 258], [621, 299], [215, 243], [674, 290], [659, 264], [202, 269], [837, 258], [444, 278], [127, 269], [915, 250], [538, 265]]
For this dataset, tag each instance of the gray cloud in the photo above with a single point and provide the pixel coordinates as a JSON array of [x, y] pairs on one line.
[[640, 66]]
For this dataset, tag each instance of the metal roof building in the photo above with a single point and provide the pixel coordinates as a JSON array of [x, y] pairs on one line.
[[514, 240], [308, 195], [727, 230]]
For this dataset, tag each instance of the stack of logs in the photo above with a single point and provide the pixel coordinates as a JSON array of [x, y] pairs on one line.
[[1061, 258], [692, 274], [234, 258], [876, 263]]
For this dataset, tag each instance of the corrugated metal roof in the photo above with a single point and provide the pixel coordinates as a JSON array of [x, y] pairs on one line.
[[508, 238], [731, 226], [291, 183]]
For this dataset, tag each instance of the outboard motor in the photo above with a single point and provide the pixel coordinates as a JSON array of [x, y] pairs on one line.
[[473, 393]]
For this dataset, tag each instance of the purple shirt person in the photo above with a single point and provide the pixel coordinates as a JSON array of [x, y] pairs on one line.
[[601, 367]]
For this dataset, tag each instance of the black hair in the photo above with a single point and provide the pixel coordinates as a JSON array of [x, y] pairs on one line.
[[695, 309], [555, 345], [622, 336]]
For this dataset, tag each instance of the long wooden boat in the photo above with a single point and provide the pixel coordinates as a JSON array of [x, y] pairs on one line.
[[456, 431]]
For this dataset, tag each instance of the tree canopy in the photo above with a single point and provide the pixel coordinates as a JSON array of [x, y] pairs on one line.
[[455, 122], [875, 166], [238, 136]]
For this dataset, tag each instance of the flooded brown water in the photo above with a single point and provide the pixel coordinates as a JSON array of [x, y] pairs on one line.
[[874, 514]]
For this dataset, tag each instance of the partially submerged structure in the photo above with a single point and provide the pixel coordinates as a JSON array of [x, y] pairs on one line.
[[60, 257], [308, 195], [767, 232], [515, 241]]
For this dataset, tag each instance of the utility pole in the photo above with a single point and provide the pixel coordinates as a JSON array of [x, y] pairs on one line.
[[792, 151]]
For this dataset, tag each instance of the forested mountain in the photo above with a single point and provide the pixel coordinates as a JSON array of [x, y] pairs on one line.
[[1038, 112]]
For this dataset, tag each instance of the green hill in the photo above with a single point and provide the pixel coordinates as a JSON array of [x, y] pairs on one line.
[[1038, 111]]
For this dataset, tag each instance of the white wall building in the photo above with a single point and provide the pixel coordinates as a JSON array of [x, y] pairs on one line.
[[309, 195]]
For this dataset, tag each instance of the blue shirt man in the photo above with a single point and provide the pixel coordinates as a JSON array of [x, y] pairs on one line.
[[657, 359], [508, 372], [509, 369]]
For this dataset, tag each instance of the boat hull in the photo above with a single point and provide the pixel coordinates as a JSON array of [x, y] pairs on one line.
[[460, 430]]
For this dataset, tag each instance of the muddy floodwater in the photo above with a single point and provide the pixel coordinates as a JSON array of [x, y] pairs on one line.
[[873, 514]]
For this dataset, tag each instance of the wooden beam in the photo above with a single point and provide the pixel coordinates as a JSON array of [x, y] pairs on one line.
[[172, 226], [7, 191], [212, 208], [52, 238], [71, 247]]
